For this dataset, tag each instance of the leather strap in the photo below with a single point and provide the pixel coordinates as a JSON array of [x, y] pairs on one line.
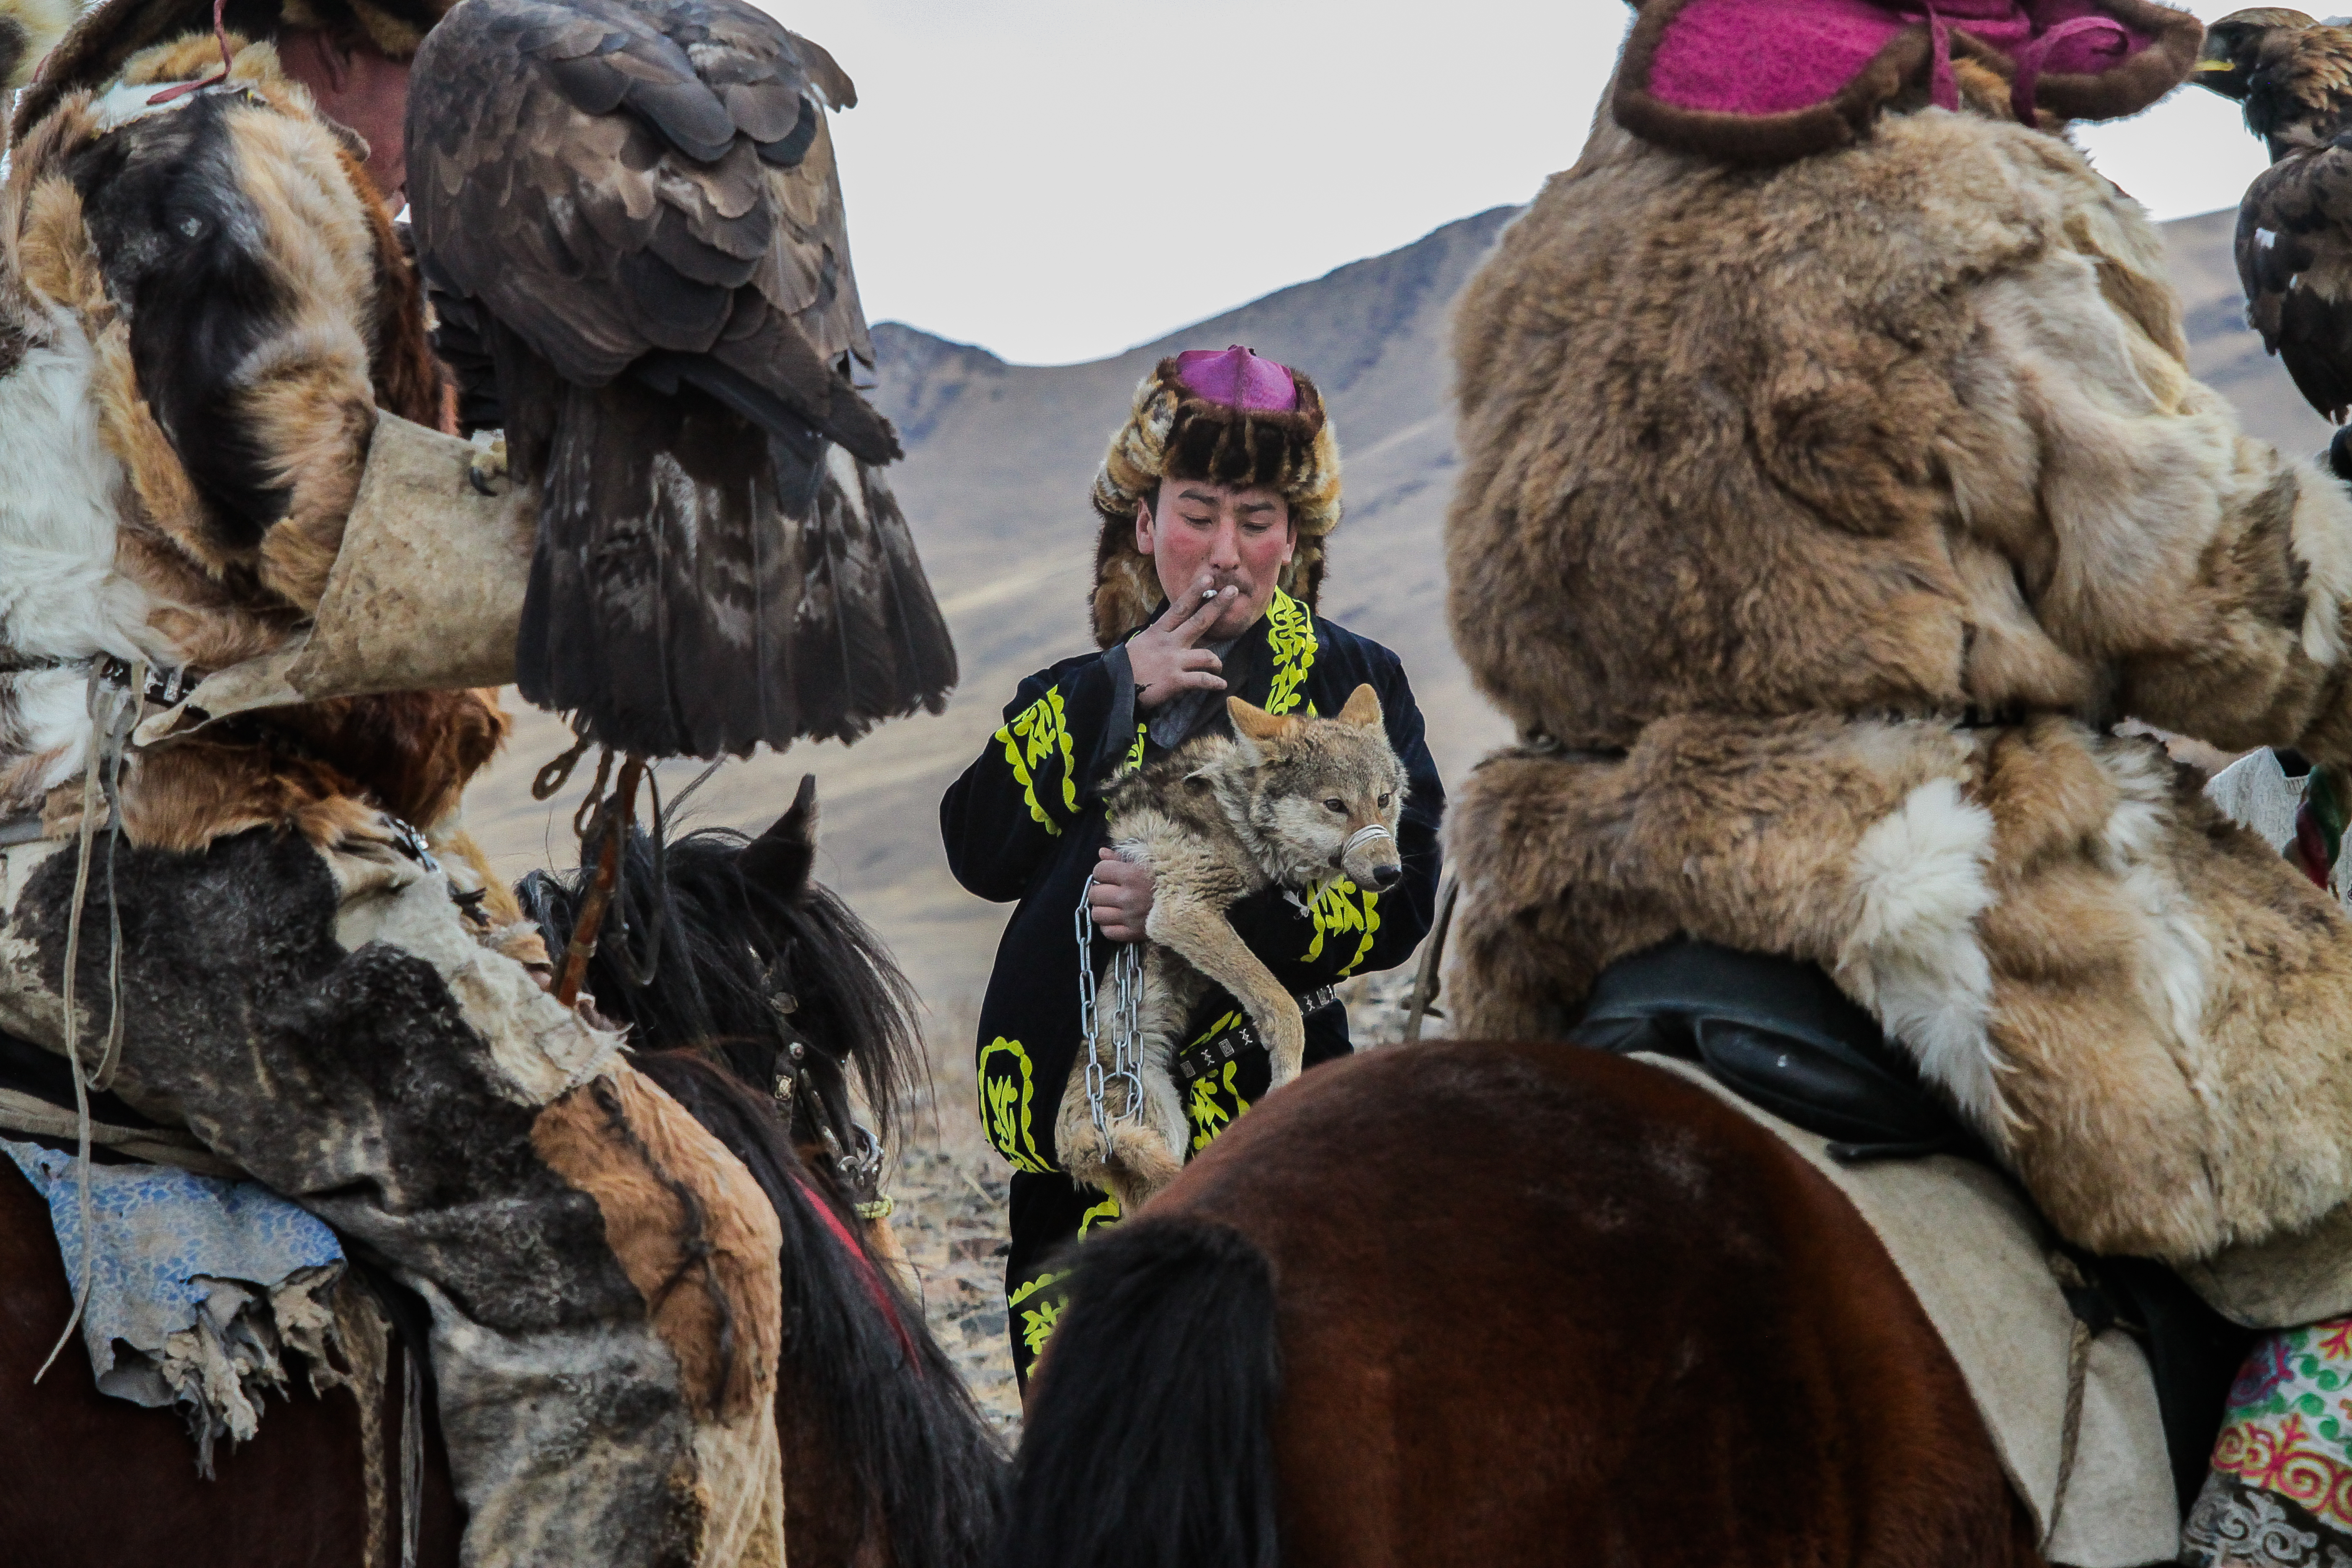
[[1204, 1057]]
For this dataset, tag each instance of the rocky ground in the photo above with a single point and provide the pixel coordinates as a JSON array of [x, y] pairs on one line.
[[950, 1192]]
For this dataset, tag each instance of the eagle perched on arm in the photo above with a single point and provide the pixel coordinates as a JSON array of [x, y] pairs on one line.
[[628, 215], [2293, 77]]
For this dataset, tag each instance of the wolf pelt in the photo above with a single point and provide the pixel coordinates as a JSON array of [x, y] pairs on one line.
[[1815, 525], [1284, 802]]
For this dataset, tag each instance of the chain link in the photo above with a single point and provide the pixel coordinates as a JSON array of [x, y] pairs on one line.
[[1126, 1023]]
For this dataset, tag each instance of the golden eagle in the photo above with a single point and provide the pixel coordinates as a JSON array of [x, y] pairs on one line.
[[628, 218], [2293, 77]]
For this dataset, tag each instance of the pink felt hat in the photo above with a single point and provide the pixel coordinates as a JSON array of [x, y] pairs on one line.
[[1763, 81], [1238, 378]]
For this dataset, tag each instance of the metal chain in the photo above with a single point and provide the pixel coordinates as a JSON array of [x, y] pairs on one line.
[[1126, 1023]]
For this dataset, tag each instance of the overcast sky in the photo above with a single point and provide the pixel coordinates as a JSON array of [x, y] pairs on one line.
[[1059, 179]]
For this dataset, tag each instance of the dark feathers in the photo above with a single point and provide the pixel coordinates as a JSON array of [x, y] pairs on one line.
[[2293, 77], [629, 210]]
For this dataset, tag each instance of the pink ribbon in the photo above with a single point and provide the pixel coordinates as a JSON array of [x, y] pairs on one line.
[[2030, 58], [220, 31], [1944, 88]]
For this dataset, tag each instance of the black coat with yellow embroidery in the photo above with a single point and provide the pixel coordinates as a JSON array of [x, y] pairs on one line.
[[1025, 822]]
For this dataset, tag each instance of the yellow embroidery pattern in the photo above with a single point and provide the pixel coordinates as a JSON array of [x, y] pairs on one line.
[[1214, 1105], [1033, 738], [1135, 752], [1103, 1216], [1333, 913], [1036, 1323], [1290, 633], [1005, 1104]]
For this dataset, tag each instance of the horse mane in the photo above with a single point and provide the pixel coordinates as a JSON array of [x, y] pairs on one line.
[[909, 1438], [727, 943]]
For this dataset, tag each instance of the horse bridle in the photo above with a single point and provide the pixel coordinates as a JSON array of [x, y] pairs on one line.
[[853, 1151]]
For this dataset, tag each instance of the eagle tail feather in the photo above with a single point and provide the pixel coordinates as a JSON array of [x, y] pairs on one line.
[[698, 589]]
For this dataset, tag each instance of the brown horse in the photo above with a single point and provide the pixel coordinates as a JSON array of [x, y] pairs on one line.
[[886, 1458], [1501, 1304]]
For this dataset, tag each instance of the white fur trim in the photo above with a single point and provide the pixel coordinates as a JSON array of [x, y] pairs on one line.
[[123, 103], [2175, 957], [1912, 955], [59, 593]]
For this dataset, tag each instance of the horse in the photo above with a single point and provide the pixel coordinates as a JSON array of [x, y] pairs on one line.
[[1466, 1302], [757, 973]]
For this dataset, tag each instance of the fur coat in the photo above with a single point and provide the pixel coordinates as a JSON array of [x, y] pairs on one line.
[[1815, 524]]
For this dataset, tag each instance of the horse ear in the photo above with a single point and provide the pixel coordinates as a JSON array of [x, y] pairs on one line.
[[780, 859], [1363, 709]]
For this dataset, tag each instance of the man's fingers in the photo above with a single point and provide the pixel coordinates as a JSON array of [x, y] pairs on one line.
[[1199, 658], [1200, 681], [1206, 608]]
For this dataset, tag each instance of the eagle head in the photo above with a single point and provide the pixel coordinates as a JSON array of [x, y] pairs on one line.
[[2292, 73]]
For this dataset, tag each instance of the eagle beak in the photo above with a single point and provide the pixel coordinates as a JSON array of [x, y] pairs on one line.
[[2216, 65]]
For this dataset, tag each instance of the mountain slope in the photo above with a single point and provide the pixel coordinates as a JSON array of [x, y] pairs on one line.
[[1000, 459]]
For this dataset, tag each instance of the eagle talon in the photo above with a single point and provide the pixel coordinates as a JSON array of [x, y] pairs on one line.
[[488, 471]]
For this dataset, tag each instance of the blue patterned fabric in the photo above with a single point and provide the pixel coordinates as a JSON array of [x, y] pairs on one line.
[[183, 1278]]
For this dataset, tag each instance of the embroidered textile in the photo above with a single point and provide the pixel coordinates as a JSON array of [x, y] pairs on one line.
[[2288, 1433]]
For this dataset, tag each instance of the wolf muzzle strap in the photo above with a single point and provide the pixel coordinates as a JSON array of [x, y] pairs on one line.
[[1204, 1057]]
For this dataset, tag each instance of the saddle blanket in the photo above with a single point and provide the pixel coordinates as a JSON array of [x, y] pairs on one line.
[[196, 1286], [1977, 1258]]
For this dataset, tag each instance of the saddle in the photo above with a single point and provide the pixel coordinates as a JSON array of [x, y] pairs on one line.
[[1780, 1033]]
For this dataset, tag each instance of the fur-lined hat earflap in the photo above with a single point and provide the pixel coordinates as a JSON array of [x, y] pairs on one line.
[[1227, 415]]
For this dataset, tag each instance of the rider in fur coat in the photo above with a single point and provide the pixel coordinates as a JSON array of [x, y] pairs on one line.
[[1834, 482]]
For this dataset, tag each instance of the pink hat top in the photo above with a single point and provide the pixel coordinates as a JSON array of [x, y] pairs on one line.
[[1765, 81], [1237, 377]]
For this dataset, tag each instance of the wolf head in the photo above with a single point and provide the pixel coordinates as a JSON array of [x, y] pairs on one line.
[[1321, 795]]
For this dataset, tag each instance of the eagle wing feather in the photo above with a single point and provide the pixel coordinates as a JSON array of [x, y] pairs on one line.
[[2294, 261]]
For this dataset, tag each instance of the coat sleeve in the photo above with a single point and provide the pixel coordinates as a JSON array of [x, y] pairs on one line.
[[1350, 930], [2109, 503], [1064, 730]]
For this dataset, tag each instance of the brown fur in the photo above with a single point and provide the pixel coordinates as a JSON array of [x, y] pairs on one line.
[[1758, 465], [1219, 819], [185, 796], [1761, 444], [2160, 1030], [688, 1224], [412, 750]]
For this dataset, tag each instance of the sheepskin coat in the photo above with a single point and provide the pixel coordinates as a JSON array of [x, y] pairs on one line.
[[1815, 523]]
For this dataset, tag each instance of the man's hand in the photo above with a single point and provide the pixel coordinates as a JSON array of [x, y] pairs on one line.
[[1121, 899], [1165, 661]]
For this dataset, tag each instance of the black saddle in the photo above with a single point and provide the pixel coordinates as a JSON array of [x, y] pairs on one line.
[[1781, 1035]]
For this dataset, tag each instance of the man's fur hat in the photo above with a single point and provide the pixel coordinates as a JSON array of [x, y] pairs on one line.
[[1226, 415]]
